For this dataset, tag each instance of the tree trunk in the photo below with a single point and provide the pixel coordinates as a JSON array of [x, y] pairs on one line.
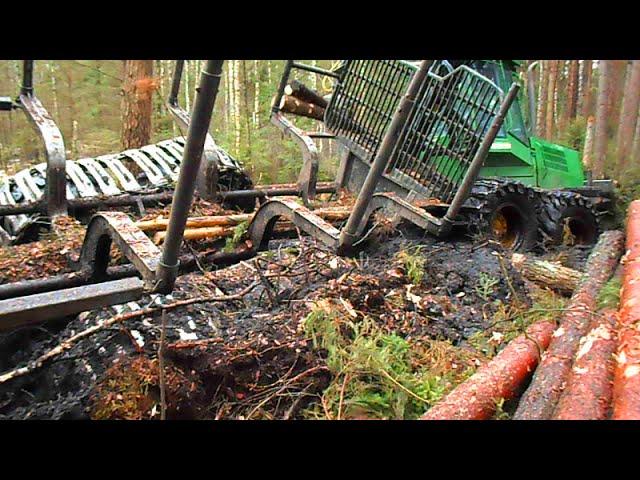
[[540, 399], [551, 99], [300, 91], [299, 107], [635, 149], [602, 111], [617, 74], [501, 378], [587, 152], [585, 88], [628, 116], [571, 109], [589, 389], [626, 383], [138, 87], [542, 98]]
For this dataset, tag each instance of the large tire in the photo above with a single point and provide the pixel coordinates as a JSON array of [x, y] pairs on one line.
[[567, 218], [504, 211]]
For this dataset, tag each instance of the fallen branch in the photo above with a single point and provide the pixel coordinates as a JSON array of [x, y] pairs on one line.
[[547, 274], [540, 399], [67, 344], [500, 378], [587, 395], [626, 383]]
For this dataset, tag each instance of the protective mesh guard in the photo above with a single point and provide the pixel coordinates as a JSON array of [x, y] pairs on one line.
[[364, 102], [444, 132], [440, 138]]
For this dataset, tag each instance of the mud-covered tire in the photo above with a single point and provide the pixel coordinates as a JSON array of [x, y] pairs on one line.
[[515, 203], [567, 218]]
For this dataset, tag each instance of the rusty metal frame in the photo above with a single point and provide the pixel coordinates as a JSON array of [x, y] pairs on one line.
[[106, 228], [308, 176], [261, 227], [53, 142]]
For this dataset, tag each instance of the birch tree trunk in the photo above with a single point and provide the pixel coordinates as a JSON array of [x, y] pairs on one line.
[[602, 110], [137, 89], [587, 152], [551, 100], [256, 95], [542, 98], [628, 116]]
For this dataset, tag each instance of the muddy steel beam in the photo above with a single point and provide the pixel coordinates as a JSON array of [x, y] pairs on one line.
[[348, 234], [183, 195], [33, 309]]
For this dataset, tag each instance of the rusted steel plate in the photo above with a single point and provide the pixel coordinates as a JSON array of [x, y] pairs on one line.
[[33, 309]]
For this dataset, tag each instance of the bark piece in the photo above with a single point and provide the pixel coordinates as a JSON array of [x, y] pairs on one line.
[[547, 274]]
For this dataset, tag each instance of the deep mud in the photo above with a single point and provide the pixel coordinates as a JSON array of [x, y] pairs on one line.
[[249, 358]]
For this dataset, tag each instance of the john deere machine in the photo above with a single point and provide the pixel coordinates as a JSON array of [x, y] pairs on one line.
[[528, 190]]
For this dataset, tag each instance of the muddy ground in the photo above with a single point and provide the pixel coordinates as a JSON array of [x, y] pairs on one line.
[[250, 357]]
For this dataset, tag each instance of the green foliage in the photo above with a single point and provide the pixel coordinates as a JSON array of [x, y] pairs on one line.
[[413, 263], [486, 285], [374, 374], [609, 295], [238, 234]]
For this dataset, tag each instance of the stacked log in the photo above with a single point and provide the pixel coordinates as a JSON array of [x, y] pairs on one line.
[[626, 387], [541, 398], [588, 393], [501, 378]]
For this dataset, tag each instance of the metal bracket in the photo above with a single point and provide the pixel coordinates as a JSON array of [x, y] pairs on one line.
[[207, 180], [54, 152], [261, 227], [308, 177], [107, 227], [40, 307]]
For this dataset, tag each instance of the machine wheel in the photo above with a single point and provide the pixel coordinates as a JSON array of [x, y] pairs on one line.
[[505, 212], [567, 218]]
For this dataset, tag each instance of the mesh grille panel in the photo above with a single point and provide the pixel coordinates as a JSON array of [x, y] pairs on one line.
[[444, 132], [364, 102]]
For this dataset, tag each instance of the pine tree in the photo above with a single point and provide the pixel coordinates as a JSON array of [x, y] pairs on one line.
[[138, 87]]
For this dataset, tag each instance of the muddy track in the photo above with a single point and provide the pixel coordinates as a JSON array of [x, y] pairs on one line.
[[228, 358]]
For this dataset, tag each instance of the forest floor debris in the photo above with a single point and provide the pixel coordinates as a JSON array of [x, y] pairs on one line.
[[381, 335]]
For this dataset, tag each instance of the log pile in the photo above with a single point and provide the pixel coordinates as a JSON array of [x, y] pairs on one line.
[[222, 226], [301, 100], [541, 398], [626, 390]]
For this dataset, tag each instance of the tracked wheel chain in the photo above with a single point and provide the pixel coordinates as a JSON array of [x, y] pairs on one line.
[[553, 202], [477, 209]]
